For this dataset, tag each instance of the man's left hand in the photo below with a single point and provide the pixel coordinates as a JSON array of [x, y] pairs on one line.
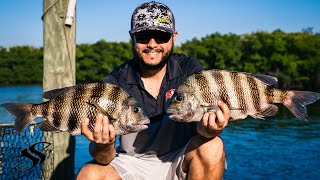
[[212, 124]]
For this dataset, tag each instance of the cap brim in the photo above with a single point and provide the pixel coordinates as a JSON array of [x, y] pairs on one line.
[[152, 28]]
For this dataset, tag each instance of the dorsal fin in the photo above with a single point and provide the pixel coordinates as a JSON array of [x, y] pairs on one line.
[[266, 79], [55, 92]]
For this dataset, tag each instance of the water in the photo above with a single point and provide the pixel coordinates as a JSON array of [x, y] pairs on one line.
[[280, 147]]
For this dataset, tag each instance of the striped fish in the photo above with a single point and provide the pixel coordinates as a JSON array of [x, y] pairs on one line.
[[67, 107], [245, 94]]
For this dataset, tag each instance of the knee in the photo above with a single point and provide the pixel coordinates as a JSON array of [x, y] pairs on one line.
[[210, 151], [88, 171], [96, 171]]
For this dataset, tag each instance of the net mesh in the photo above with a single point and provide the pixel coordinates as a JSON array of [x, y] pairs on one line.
[[14, 165]]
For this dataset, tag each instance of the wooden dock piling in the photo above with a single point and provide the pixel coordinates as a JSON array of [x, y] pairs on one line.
[[59, 50]]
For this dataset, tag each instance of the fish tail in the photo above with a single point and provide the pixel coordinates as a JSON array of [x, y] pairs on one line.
[[296, 101], [22, 112]]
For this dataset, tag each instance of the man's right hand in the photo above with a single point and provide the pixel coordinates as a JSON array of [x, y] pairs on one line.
[[103, 132], [102, 139]]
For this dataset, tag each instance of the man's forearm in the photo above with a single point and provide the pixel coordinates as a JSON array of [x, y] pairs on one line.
[[102, 153]]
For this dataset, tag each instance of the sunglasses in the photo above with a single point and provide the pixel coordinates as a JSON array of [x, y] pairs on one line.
[[144, 37]]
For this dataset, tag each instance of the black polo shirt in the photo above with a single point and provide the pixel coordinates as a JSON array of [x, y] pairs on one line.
[[163, 135]]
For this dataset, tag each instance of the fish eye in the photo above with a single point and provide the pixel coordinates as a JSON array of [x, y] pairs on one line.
[[135, 109], [178, 98]]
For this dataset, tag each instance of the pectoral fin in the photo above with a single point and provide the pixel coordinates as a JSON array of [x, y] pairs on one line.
[[46, 125], [210, 108], [214, 108], [96, 105]]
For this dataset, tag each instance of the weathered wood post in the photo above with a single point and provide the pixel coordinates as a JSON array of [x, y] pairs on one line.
[[59, 71]]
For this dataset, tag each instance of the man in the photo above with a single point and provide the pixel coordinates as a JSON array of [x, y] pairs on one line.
[[167, 149]]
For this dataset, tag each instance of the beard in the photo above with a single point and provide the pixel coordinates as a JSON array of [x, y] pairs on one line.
[[144, 65]]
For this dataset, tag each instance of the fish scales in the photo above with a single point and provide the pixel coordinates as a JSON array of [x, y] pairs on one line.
[[203, 84], [255, 93], [73, 120], [67, 107], [60, 114], [245, 94], [239, 90], [229, 91], [222, 88], [94, 93]]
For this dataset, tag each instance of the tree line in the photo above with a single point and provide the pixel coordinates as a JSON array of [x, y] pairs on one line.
[[294, 58]]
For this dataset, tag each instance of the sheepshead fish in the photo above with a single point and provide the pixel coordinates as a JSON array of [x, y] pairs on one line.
[[67, 107], [245, 94]]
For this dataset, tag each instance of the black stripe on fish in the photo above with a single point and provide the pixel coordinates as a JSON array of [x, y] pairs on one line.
[[97, 90], [79, 91], [57, 109], [114, 95], [255, 93], [218, 76], [44, 109], [57, 117], [204, 87], [236, 80], [73, 121]]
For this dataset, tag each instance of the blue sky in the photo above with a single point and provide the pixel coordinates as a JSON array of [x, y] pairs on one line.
[[21, 22]]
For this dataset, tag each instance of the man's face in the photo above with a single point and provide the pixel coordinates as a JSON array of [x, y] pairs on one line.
[[153, 48]]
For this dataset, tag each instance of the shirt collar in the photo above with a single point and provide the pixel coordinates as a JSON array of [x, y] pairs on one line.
[[133, 76], [173, 69]]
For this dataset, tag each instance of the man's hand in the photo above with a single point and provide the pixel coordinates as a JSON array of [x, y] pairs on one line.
[[212, 124], [103, 132], [102, 139]]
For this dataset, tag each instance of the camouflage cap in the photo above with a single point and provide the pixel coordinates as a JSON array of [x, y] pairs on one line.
[[152, 16]]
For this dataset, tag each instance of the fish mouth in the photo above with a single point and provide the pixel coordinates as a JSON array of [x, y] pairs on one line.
[[171, 111], [181, 116], [173, 114], [139, 126]]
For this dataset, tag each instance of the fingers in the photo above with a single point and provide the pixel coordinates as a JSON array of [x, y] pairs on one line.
[[225, 109], [108, 132], [97, 135], [223, 115], [85, 130], [217, 120], [105, 129], [209, 121], [103, 132], [112, 133]]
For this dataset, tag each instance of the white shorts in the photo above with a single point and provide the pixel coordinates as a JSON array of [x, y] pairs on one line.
[[168, 167]]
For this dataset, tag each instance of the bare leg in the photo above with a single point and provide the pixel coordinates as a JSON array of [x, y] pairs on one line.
[[96, 172], [204, 158]]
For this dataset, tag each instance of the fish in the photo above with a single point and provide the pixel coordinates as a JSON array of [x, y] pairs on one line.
[[244, 93], [67, 107]]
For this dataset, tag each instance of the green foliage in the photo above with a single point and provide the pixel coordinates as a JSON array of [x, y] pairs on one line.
[[294, 58], [97, 60], [21, 65]]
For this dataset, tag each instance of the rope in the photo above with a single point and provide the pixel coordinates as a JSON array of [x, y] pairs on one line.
[[45, 11]]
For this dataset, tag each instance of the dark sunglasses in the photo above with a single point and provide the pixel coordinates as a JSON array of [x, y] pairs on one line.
[[144, 37]]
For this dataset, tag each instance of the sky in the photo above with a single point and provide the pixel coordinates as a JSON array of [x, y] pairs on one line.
[[21, 22]]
